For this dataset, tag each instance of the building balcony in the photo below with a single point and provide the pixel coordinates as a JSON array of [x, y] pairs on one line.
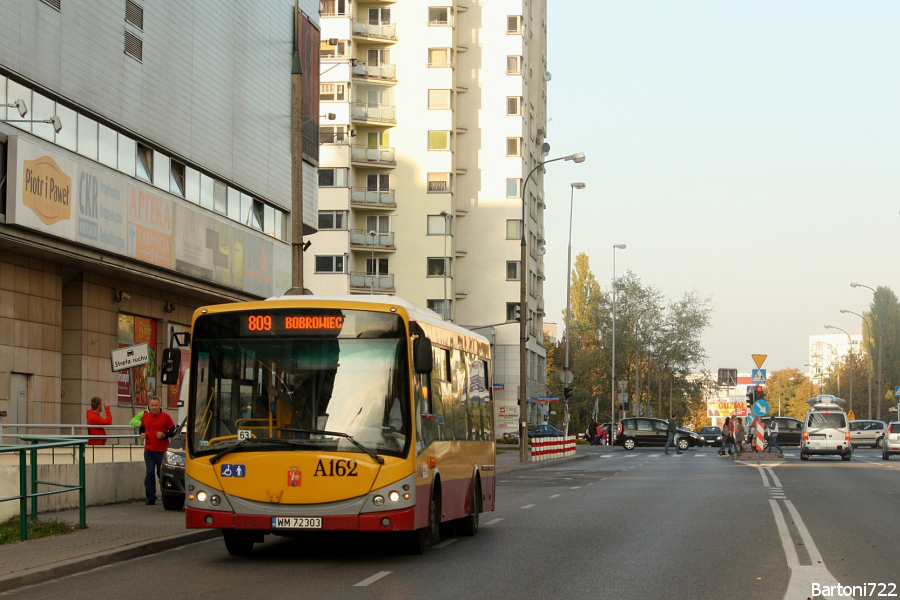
[[362, 197], [361, 282], [378, 31], [375, 73], [363, 112], [374, 157], [383, 241]]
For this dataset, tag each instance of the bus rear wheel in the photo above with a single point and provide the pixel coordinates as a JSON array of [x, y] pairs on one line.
[[468, 526], [238, 543]]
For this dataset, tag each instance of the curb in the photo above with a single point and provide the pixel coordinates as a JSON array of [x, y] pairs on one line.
[[86, 563]]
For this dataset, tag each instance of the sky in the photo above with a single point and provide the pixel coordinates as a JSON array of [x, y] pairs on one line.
[[745, 151]]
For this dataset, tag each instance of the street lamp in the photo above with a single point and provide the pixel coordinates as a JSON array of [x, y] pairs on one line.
[[850, 345], [853, 284], [446, 307], [580, 186], [373, 233], [578, 157], [868, 357], [612, 399]]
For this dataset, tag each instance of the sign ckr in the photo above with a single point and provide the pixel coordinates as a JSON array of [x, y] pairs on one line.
[[130, 356]]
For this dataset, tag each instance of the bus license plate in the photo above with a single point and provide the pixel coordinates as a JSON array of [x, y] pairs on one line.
[[817, 437], [296, 522]]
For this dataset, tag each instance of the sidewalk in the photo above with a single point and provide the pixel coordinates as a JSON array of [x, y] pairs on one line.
[[118, 532]]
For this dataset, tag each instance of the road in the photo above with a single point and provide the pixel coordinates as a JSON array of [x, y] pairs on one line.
[[614, 524]]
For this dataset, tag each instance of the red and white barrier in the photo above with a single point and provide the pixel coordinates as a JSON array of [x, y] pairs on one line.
[[550, 448], [760, 436]]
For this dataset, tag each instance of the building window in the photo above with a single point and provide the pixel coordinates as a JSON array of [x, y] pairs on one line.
[[176, 178], [333, 134], [379, 266], [513, 272], [438, 16], [438, 140], [333, 219], [328, 51], [330, 264], [333, 177], [439, 99], [378, 182], [439, 57], [439, 267], [514, 24], [332, 92], [514, 229], [108, 148], [439, 183], [512, 311], [514, 146], [333, 8], [87, 135], [220, 197], [513, 105], [514, 65], [257, 215], [438, 225], [144, 163], [513, 188], [441, 307]]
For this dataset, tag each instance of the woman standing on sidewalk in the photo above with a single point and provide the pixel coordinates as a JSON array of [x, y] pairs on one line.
[[726, 437], [739, 434]]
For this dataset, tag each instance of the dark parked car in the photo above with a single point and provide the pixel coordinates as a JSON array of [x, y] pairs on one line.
[[171, 474], [639, 431], [545, 430], [710, 436]]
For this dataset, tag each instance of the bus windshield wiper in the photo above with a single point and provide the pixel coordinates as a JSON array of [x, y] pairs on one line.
[[233, 447], [374, 456]]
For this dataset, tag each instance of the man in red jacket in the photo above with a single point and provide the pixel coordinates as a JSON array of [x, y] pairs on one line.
[[94, 417], [156, 429]]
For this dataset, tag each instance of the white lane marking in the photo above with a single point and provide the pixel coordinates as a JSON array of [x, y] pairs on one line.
[[762, 474], [577, 487], [700, 456], [555, 496], [802, 577], [631, 456], [605, 455], [494, 521], [445, 543], [372, 579], [655, 455], [774, 477], [528, 506]]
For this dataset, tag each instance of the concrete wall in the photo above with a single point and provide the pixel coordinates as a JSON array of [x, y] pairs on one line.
[[105, 483]]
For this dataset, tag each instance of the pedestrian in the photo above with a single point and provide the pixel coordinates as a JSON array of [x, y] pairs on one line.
[[739, 435], [157, 427], [94, 417], [604, 436], [773, 434], [592, 432], [726, 437], [672, 431]]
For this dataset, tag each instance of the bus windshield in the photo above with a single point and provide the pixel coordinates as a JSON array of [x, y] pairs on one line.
[[318, 392]]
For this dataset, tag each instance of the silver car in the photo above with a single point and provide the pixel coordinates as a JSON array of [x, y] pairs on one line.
[[867, 433], [891, 443], [826, 430]]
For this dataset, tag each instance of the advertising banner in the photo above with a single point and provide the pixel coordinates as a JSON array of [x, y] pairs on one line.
[[727, 408], [73, 198]]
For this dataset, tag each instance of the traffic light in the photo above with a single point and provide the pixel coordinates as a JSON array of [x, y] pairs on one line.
[[751, 396], [567, 393], [760, 392]]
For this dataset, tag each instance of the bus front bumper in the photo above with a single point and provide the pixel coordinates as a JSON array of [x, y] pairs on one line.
[[391, 520]]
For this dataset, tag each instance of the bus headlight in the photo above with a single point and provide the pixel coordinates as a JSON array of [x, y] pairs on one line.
[[201, 496], [394, 496], [378, 501]]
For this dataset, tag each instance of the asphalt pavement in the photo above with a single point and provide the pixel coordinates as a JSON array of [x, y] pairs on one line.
[[117, 532]]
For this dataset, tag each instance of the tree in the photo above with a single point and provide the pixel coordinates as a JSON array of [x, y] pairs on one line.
[[792, 388], [883, 322]]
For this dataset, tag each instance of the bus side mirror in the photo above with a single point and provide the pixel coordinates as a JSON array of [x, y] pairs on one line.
[[171, 361], [422, 355]]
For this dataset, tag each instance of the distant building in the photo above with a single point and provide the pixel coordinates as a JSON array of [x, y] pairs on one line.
[[828, 348]]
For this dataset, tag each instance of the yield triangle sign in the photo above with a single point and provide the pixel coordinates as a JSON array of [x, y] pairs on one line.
[[759, 359]]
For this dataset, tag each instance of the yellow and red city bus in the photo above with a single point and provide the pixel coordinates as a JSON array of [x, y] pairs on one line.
[[347, 413]]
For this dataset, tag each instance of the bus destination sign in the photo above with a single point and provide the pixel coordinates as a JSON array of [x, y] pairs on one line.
[[286, 324]]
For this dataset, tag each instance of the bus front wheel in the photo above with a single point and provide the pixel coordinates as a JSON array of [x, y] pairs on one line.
[[422, 539], [238, 543]]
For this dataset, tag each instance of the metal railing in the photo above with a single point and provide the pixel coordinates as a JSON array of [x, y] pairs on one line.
[[361, 281], [40, 443], [375, 71], [122, 444], [375, 29], [360, 153], [369, 112], [363, 196]]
